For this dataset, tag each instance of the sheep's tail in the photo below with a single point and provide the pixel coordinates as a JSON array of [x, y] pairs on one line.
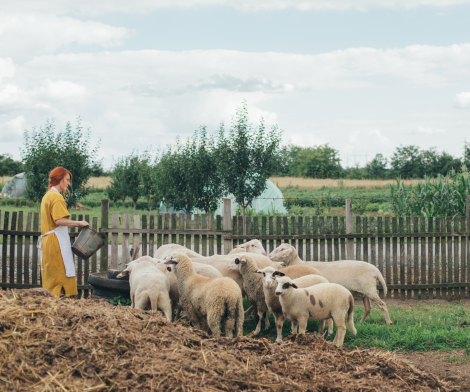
[[239, 317], [351, 326], [380, 278]]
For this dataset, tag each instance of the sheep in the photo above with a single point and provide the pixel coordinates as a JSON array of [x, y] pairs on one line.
[[357, 276], [148, 286], [217, 300], [167, 249], [272, 301], [317, 302], [253, 246]]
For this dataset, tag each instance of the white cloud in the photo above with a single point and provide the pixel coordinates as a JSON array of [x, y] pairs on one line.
[[7, 68], [381, 138], [354, 136], [13, 129], [92, 7], [24, 36], [428, 130], [462, 101]]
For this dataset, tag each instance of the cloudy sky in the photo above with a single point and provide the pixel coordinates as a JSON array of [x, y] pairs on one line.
[[364, 76]]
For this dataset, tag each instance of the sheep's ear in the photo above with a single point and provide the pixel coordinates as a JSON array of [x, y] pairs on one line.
[[287, 252], [294, 285], [258, 272], [243, 261], [171, 261], [123, 273], [278, 273]]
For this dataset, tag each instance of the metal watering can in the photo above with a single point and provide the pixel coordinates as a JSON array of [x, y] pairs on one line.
[[87, 243]]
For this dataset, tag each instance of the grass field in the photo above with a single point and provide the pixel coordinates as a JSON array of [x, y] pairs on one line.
[[318, 183]]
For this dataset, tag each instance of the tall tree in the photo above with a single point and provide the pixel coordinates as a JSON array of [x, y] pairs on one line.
[[407, 162], [317, 162], [377, 168], [247, 157]]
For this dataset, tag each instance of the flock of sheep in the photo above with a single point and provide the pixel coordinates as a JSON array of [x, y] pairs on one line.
[[210, 290]]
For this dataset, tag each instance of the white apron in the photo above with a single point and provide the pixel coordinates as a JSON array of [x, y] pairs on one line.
[[62, 234]]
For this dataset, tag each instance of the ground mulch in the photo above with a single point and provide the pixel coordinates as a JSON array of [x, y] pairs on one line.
[[62, 344]]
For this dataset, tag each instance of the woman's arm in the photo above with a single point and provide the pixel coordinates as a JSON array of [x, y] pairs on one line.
[[70, 223]]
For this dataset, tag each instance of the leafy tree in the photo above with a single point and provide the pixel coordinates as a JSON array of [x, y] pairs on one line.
[[247, 157], [354, 172], [147, 178], [43, 150], [317, 162], [8, 166], [466, 156], [97, 169], [286, 155], [407, 162], [377, 168], [116, 190]]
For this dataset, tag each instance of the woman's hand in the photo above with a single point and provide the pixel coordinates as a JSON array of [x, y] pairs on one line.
[[70, 223], [82, 224]]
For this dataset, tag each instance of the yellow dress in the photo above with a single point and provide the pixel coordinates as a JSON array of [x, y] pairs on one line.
[[53, 207]]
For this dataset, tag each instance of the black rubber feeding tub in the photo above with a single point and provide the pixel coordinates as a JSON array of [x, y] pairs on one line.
[[87, 243], [106, 285]]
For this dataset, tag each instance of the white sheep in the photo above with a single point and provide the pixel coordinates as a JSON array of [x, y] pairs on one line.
[[215, 300], [167, 249], [317, 302], [253, 246], [357, 276], [149, 286], [274, 306]]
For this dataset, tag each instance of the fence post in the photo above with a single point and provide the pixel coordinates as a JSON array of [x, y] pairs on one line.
[[349, 230], [104, 225], [227, 224]]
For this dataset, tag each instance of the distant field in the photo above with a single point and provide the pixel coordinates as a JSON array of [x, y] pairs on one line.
[[99, 182], [317, 183]]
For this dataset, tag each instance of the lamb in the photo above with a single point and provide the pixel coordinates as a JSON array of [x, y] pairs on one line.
[[167, 249], [317, 302], [272, 301], [253, 246], [357, 276], [217, 300], [149, 286]]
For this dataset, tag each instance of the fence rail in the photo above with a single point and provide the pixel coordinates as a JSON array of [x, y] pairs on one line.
[[419, 258]]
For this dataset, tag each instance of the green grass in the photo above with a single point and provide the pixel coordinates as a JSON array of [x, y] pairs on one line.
[[418, 328]]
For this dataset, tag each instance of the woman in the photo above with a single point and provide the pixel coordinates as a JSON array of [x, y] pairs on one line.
[[57, 266]]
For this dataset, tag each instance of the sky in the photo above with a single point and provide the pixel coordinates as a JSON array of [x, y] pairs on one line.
[[363, 76]]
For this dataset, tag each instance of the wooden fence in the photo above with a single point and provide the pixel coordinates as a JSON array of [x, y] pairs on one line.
[[419, 258]]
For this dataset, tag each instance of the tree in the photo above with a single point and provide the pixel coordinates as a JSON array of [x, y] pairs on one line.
[[116, 190], [317, 162], [286, 155], [148, 183], [247, 157], [407, 162], [43, 150], [8, 166], [377, 168]]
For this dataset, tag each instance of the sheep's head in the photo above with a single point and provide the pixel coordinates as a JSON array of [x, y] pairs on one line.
[[253, 246], [284, 284], [268, 279], [174, 259], [234, 265], [281, 252], [128, 269]]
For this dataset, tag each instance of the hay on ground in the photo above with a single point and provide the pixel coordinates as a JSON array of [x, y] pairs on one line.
[[62, 344]]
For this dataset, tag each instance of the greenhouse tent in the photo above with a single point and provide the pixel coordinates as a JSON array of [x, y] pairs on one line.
[[270, 200], [15, 187]]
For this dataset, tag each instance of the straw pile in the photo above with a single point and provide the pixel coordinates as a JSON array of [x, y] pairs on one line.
[[60, 344]]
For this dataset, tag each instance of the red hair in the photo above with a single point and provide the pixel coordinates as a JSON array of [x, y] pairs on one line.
[[56, 175]]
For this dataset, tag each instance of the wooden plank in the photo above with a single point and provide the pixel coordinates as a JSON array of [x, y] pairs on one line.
[[143, 248], [248, 228], [437, 258], [34, 261], [365, 241], [445, 257], [160, 236], [27, 250], [349, 230], [14, 217], [285, 224], [86, 263], [19, 250], [197, 225], [256, 227], [329, 241], [94, 257], [395, 255], [79, 262], [380, 248], [322, 241], [278, 230], [336, 255], [308, 253], [219, 237], [373, 249], [430, 259], [240, 230], [450, 257], [358, 240], [456, 265], [181, 227], [235, 231], [315, 256], [210, 226], [31, 286], [173, 227], [227, 219], [152, 236], [126, 257], [271, 231], [188, 227], [422, 242], [104, 225], [166, 226], [430, 286], [463, 246], [6, 221], [136, 238], [409, 258], [388, 264], [292, 232], [342, 230], [300, 230], [401, 228], [467, 219], [264, 232], [114, 241], [204, 237]]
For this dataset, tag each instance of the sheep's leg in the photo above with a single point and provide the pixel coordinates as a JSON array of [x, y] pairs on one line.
[[267, 324], [141, 302], [164, 304], [321, 326], [258, 326], [381, 304], [132, 301], [213, 321], [279, 320], [303, 325], [329, 322], [293, 327], [338, 318], [366, 308]]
